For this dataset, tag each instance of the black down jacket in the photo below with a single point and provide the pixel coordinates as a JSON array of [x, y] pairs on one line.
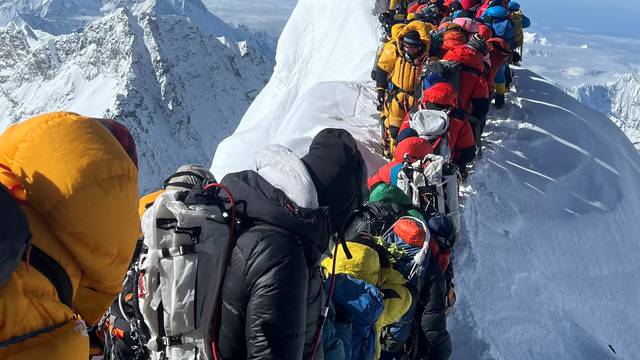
[[434, 319], [272, 294]]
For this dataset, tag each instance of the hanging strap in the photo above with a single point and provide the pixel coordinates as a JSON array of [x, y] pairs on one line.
[[21, 338], [471, 70], [50, 268], [60, 280]]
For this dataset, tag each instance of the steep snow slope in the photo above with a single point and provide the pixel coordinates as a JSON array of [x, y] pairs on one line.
[[179, 89], [549, 259], [552, 235], [619, 99]]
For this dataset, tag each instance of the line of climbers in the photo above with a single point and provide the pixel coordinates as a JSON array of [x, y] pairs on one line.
[[298, 258], [467, 44]]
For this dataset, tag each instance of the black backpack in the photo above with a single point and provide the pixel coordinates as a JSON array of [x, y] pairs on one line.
[[373, 218], [14, 234], [122, 328]]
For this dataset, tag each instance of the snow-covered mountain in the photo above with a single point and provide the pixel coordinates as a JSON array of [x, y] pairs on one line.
[[176, 77], [52, 16], [548, 261], [602, 72], [619, 99]]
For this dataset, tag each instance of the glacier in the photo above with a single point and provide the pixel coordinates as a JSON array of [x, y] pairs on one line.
[[549, 259]]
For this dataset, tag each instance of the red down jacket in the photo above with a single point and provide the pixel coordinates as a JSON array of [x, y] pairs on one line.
[[460, 134], [472, 81], [468, 4], [454, 36], [415, 147], [499, 53]]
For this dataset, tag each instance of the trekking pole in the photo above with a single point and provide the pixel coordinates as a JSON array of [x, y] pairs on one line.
[[325, 309]]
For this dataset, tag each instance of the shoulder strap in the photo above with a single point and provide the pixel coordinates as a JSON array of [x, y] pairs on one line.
[[60, 280], [50, 268], [31, 335], [471, 70]]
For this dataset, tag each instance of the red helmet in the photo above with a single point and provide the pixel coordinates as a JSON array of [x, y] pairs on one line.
[[415, 147], [441, 94]]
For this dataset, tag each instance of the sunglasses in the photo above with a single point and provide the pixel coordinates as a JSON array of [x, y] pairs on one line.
[[411, 46]]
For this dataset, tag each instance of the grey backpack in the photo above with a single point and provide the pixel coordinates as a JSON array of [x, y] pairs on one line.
[[432, 186], [433, 125], [188, 236]]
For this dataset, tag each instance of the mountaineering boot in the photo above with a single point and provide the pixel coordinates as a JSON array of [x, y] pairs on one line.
[[499, 100], [479, 154]]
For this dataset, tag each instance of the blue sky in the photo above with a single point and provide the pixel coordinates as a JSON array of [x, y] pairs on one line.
[[605, 17]]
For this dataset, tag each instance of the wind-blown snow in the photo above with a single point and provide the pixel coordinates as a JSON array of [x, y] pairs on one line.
[[552, 243], [549, 259]]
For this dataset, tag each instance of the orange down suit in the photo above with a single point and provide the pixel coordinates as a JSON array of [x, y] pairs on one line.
[[81, 203], [404, 74]]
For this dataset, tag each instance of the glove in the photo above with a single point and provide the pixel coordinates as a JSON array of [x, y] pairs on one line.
[[381, 94], [516, 58], [451, 299]]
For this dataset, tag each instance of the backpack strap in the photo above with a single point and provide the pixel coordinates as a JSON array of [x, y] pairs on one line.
[[471, 70], [21, 338], [437, 142], [50, 268]]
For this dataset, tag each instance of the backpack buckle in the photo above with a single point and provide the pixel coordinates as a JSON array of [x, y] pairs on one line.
[[186, 249], [170, 341]]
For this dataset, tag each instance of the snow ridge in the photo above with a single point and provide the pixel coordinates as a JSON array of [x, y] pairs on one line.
[[549, 252]]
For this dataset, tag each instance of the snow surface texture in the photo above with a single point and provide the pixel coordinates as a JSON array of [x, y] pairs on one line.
[[546, 267], [602, 72], [549, 259], [179, 88]]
